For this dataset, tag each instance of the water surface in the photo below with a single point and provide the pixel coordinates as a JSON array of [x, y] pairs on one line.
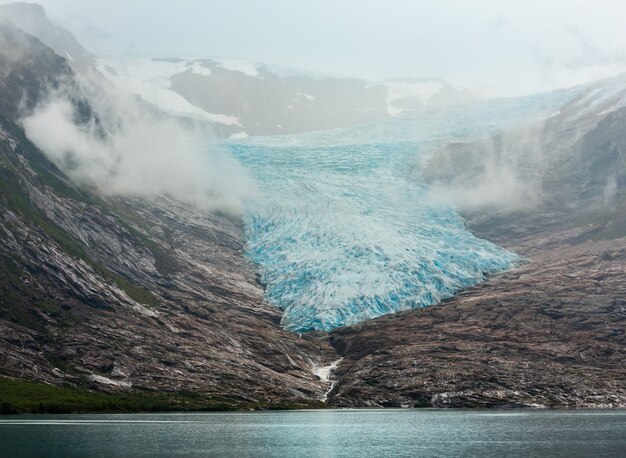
[[323, 433]]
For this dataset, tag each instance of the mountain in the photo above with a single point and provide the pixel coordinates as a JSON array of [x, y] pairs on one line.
[[120, 294], [130, 301], [344, 228], [32, 18], [410, 94], [264, 100], [240, 98], [551, 332], [571, 163]]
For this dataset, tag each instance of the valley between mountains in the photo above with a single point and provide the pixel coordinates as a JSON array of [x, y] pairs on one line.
[[122, 302]]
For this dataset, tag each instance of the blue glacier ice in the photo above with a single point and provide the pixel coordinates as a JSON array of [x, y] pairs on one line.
[[344, 228]]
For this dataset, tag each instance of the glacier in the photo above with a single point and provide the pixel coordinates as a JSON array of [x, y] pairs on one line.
[[344, 228]]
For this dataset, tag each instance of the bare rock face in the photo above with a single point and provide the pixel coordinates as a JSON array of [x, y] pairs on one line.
[[271, 104], [549, 333], [189, 320]]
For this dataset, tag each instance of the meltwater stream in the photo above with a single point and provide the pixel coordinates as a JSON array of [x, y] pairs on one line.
[[344, 228]]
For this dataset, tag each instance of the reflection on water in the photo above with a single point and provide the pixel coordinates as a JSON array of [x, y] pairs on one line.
[[320, 433]]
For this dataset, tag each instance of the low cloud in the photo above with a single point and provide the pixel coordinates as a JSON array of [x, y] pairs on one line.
[[499, 186], [502, 172], [131, 150]]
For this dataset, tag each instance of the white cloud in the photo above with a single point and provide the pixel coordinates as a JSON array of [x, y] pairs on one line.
[[501, 172], [142, 154]]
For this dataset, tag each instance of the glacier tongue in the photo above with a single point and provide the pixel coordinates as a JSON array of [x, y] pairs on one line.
[[345, 230]]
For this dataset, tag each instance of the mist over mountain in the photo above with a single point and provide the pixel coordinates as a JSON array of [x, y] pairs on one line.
[[239, 97], [209, 233], [259, 99], [32, 18], [572, 159]]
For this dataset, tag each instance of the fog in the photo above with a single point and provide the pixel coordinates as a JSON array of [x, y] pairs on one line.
[[130, 150], [492, 47], [504, 171]]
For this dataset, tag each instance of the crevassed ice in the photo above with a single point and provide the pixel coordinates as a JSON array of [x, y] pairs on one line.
[[345, 230]]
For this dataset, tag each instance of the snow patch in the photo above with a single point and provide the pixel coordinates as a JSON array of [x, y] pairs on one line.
[[423, 91], [239, 135], [236, 65], [154, 71], [306, 96], [150, 80], [603, 98], [198, 68]]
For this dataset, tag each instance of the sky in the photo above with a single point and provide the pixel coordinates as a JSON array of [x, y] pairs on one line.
[[492, 47]]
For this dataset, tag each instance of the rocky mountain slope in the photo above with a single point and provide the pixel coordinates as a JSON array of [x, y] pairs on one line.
[[32, 19], [126, 295], [120, 294], [551, 332], [239, 98], [258, 99]]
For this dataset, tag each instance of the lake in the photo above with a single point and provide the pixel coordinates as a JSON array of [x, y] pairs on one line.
[[393, 432]]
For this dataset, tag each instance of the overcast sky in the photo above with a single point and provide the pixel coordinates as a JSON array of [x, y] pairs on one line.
[[497, 47]]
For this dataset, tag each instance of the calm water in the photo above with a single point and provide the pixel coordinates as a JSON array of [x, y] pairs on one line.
[[347, 433]]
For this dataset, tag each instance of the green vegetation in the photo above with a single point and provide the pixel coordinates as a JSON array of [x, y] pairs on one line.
[[12, 191], [137, 293], [611, 219], [164, 262], [14, 295], [20, 396], [18, 202], [599, 217]]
